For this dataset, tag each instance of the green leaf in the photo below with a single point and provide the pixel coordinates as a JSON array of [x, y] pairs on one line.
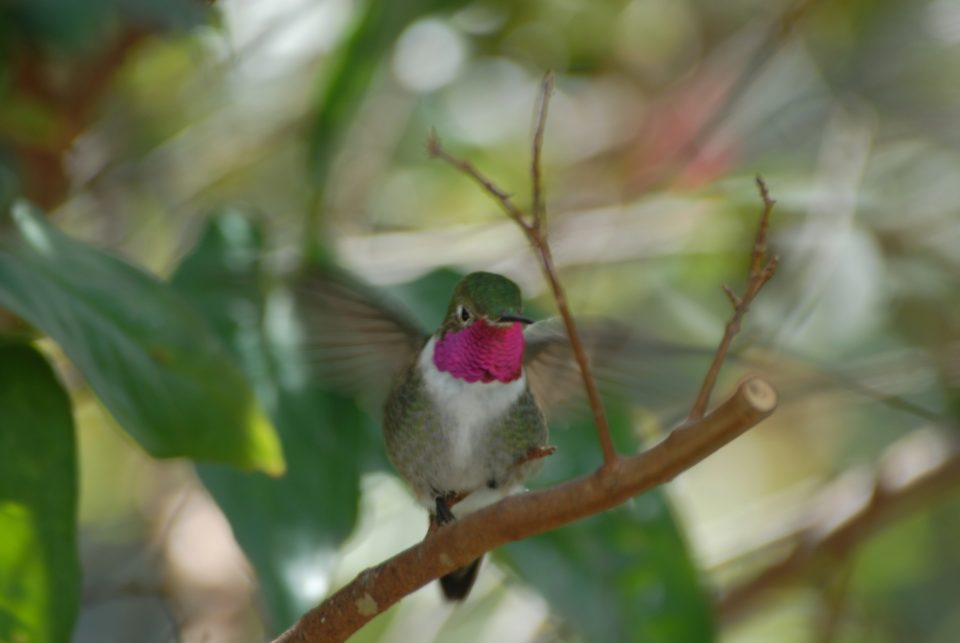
[[68, 26], [290, 528], [153, 362], [624, 575], [353, 70], [39, 568]]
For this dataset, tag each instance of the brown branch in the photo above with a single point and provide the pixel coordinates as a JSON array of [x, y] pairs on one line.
[[579, 353], [72, 98], [521, 516], [917, 469], [761, 271], [534, 229]]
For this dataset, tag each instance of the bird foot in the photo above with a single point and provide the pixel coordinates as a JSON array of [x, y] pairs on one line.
[[443, 515], [535, 454]]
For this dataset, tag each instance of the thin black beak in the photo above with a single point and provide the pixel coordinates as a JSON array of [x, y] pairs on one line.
[[515, 318]]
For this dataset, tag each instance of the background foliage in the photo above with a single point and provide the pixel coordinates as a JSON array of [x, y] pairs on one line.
[[164, 165]]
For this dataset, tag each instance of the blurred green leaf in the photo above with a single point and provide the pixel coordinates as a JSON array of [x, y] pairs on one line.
[[290, 528], [149, 357], [67, 26], [346, 83], [39, 568], [371, 39], [624, 575]]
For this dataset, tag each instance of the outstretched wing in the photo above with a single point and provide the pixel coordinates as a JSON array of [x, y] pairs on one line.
[[356, 339], [624, 362]]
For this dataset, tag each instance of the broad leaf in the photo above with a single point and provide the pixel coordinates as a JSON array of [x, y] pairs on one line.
[[290, 528], [150, 358], [39, 569]]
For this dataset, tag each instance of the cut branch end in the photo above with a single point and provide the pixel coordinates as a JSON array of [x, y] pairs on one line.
[[760, 394]]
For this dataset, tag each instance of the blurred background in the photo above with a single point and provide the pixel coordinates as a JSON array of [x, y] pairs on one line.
[[293, 130]]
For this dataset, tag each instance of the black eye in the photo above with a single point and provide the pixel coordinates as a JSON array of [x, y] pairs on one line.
[[464, 314]]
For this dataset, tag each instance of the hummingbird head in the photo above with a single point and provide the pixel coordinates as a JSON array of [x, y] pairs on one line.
[[481, 339], [487, 297]]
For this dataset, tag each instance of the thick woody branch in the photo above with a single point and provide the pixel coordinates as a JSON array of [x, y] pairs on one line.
[[521, 516], [917, 469]]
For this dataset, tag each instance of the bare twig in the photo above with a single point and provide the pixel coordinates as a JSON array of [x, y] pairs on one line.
[[919, 468], [538, 208], [760, 243], [435, 150], [761, 271], [534, 229], [524, 515]]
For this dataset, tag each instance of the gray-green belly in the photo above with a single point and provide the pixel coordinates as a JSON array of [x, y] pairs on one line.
[[425, 445]]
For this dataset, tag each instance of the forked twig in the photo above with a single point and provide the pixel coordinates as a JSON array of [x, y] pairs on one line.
[[761, 271], [534, 229]]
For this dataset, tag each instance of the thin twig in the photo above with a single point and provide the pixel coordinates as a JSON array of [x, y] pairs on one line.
[[534, 229], [760, 273], [435, 150], [538, 208], [580, 354], [524, 515], [760, 244]]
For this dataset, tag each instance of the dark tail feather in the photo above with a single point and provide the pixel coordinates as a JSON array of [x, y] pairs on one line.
[[457, 584]]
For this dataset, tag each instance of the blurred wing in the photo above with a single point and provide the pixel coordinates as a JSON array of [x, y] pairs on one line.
[[655, 373], [355, 339]]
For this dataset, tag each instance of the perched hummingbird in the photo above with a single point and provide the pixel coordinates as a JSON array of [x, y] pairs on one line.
[[461, 423]]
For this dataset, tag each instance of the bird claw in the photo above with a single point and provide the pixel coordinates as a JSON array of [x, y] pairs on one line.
[[535, 453], [444, 515]]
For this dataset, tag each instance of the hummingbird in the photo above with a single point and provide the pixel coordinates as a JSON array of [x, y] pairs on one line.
[[461, 423]]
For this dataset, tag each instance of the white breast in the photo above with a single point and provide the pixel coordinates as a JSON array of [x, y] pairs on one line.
[[467, 409]]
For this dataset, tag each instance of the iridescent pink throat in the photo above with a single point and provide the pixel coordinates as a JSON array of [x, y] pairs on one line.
[[481, 352]]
